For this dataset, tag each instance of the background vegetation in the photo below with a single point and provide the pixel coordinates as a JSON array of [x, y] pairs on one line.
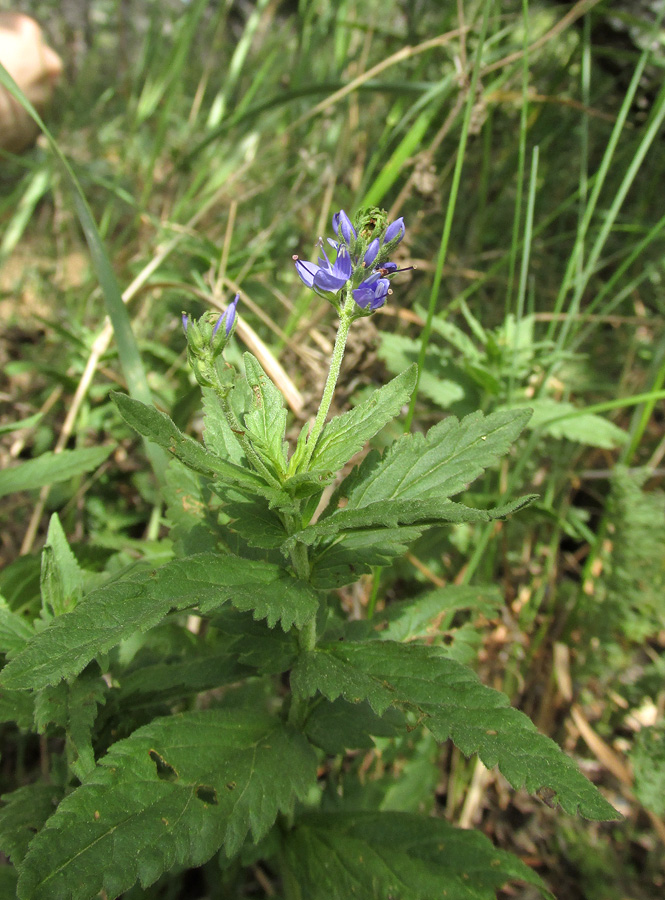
[[524, 148]]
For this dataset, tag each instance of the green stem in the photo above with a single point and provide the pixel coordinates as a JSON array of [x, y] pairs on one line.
[[345, 320]]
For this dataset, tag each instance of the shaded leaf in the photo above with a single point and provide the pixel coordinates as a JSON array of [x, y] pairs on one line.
[[396, 856], [563, 420], [22, 815], [453, 704], [412, 618], [171, 794]]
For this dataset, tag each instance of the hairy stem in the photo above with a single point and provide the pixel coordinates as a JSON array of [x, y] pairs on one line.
[[331, 382]]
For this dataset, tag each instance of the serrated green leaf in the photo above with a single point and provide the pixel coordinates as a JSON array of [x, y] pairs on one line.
[[171, 794], [393, 513], [15, 632], [61, 577], [158, 427], [411, 618], [560, 419], [22, 815], [50, 468], [217, 434], [112, 613], [346, 435], [454, 705], [266, 422], [390, 855], [440, 464]]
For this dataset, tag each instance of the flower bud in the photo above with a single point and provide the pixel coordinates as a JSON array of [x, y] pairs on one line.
[[372, 252], [394, 232]]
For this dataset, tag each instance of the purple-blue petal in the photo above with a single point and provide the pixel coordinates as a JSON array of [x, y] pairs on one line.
[[372, 252], [389, 267], [185, 321], [345, 226], [327, 281], [307, 271], [395, 230], [342, 267], [230, 314]]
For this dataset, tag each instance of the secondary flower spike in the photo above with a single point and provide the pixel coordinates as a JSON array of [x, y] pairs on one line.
[[358, 281]]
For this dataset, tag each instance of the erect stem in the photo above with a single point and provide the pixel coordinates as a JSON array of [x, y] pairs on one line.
[[345, 320]]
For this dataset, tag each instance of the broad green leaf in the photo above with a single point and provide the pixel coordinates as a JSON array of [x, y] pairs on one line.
[[266, 422], [15, 632], [113, 613], [395, 856], [158, 427], [217, 434], [453, 704], [440, 464], [61, 577], [393, 513], [563, 420], [170, 795], [23, 814], [50, 468], [411, 618], [347, 434]]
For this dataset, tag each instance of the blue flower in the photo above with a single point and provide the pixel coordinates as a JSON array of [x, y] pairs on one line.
[[326, 276], [372, 292]]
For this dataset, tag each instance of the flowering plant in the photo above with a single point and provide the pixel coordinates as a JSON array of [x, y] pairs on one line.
[[248, 740]]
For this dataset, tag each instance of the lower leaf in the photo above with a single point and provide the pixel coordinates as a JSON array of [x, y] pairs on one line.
[[395, 856], [171, 794]]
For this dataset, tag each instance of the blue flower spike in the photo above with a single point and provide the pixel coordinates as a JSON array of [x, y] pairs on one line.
[[357, 282]]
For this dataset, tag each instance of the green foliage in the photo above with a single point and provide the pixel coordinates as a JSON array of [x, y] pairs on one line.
[[168, 611], [113, 613], [50, 468], [448, 698], [384, 855], [346, 435], [172, 794]]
